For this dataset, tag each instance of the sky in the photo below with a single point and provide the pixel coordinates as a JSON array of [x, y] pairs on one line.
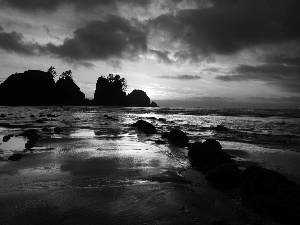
[[185, 53]]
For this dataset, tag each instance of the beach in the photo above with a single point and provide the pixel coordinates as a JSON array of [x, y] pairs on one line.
[[99, 170]]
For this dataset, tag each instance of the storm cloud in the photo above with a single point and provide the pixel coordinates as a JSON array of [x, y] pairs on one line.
[[283, 76], [229, 26], [52, 5], [101, 40], [13, 42]]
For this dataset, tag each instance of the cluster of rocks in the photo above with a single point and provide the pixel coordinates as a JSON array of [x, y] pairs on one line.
[[35, 87], [32, 136], [264, 190], [111, 93]]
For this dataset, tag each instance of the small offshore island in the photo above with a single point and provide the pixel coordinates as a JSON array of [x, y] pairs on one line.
[[38, 88]]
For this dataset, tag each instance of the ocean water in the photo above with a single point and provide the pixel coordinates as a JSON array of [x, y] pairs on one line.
[[259, 135], [99, 169]]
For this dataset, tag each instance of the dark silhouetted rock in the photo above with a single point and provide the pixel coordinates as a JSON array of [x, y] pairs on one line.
[[138, 98], [258, 180], [57, 130], [110, 92], [30, 143], [176, 137], [269, 192], [32, 116], [151, 118], [144, 126], [33, 87], [160, 142], [15, 157], [221, 128], [31, 134], [162, 120], [2, 115], [69, 92], [7, 137], [97, 132], [207, 155], [225, 176], [153, 104]]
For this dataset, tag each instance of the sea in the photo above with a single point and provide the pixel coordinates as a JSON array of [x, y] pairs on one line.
[[98, 169], [270, 137]]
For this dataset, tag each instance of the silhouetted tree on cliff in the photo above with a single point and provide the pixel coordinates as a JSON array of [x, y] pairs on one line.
[[52, 71], [66, 74], [110, 90]]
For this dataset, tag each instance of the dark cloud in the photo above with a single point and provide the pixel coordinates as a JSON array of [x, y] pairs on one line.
[[101, 40], [181, 77], [14, 42], [52, 5], [229, 26], [285, 77], [161, 56]]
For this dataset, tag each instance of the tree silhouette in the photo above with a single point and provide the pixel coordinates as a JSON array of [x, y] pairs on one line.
[[52, 71], [66, 74], [117, 80]]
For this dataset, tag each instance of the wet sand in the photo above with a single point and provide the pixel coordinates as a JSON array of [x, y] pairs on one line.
[[119, 175], [111, 181]]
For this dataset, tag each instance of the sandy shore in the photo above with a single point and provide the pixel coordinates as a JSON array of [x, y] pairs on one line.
[[125, 180]]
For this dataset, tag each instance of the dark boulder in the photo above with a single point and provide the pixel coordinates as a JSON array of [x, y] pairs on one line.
[[138, 98], [207, 155], [30, 143], [225, 176], [160, 142], [57, 130], [162, 120], [269, 192], [15, 157], [98, 132], [176, 137], [220, 128], [153, 104], [31, 134], [7, 137], [257, 180], [2, 115], [144, 126]]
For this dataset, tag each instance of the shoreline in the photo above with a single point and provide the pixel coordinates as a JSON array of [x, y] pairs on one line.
[[124, 164]]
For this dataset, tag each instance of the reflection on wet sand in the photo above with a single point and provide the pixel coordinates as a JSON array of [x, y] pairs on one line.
[[101, 171]]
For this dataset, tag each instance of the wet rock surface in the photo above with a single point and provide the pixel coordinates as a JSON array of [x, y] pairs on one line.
[[225, 176], [207, 155], [145, 127], [176, 137], [15, 157], [269, 192]]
